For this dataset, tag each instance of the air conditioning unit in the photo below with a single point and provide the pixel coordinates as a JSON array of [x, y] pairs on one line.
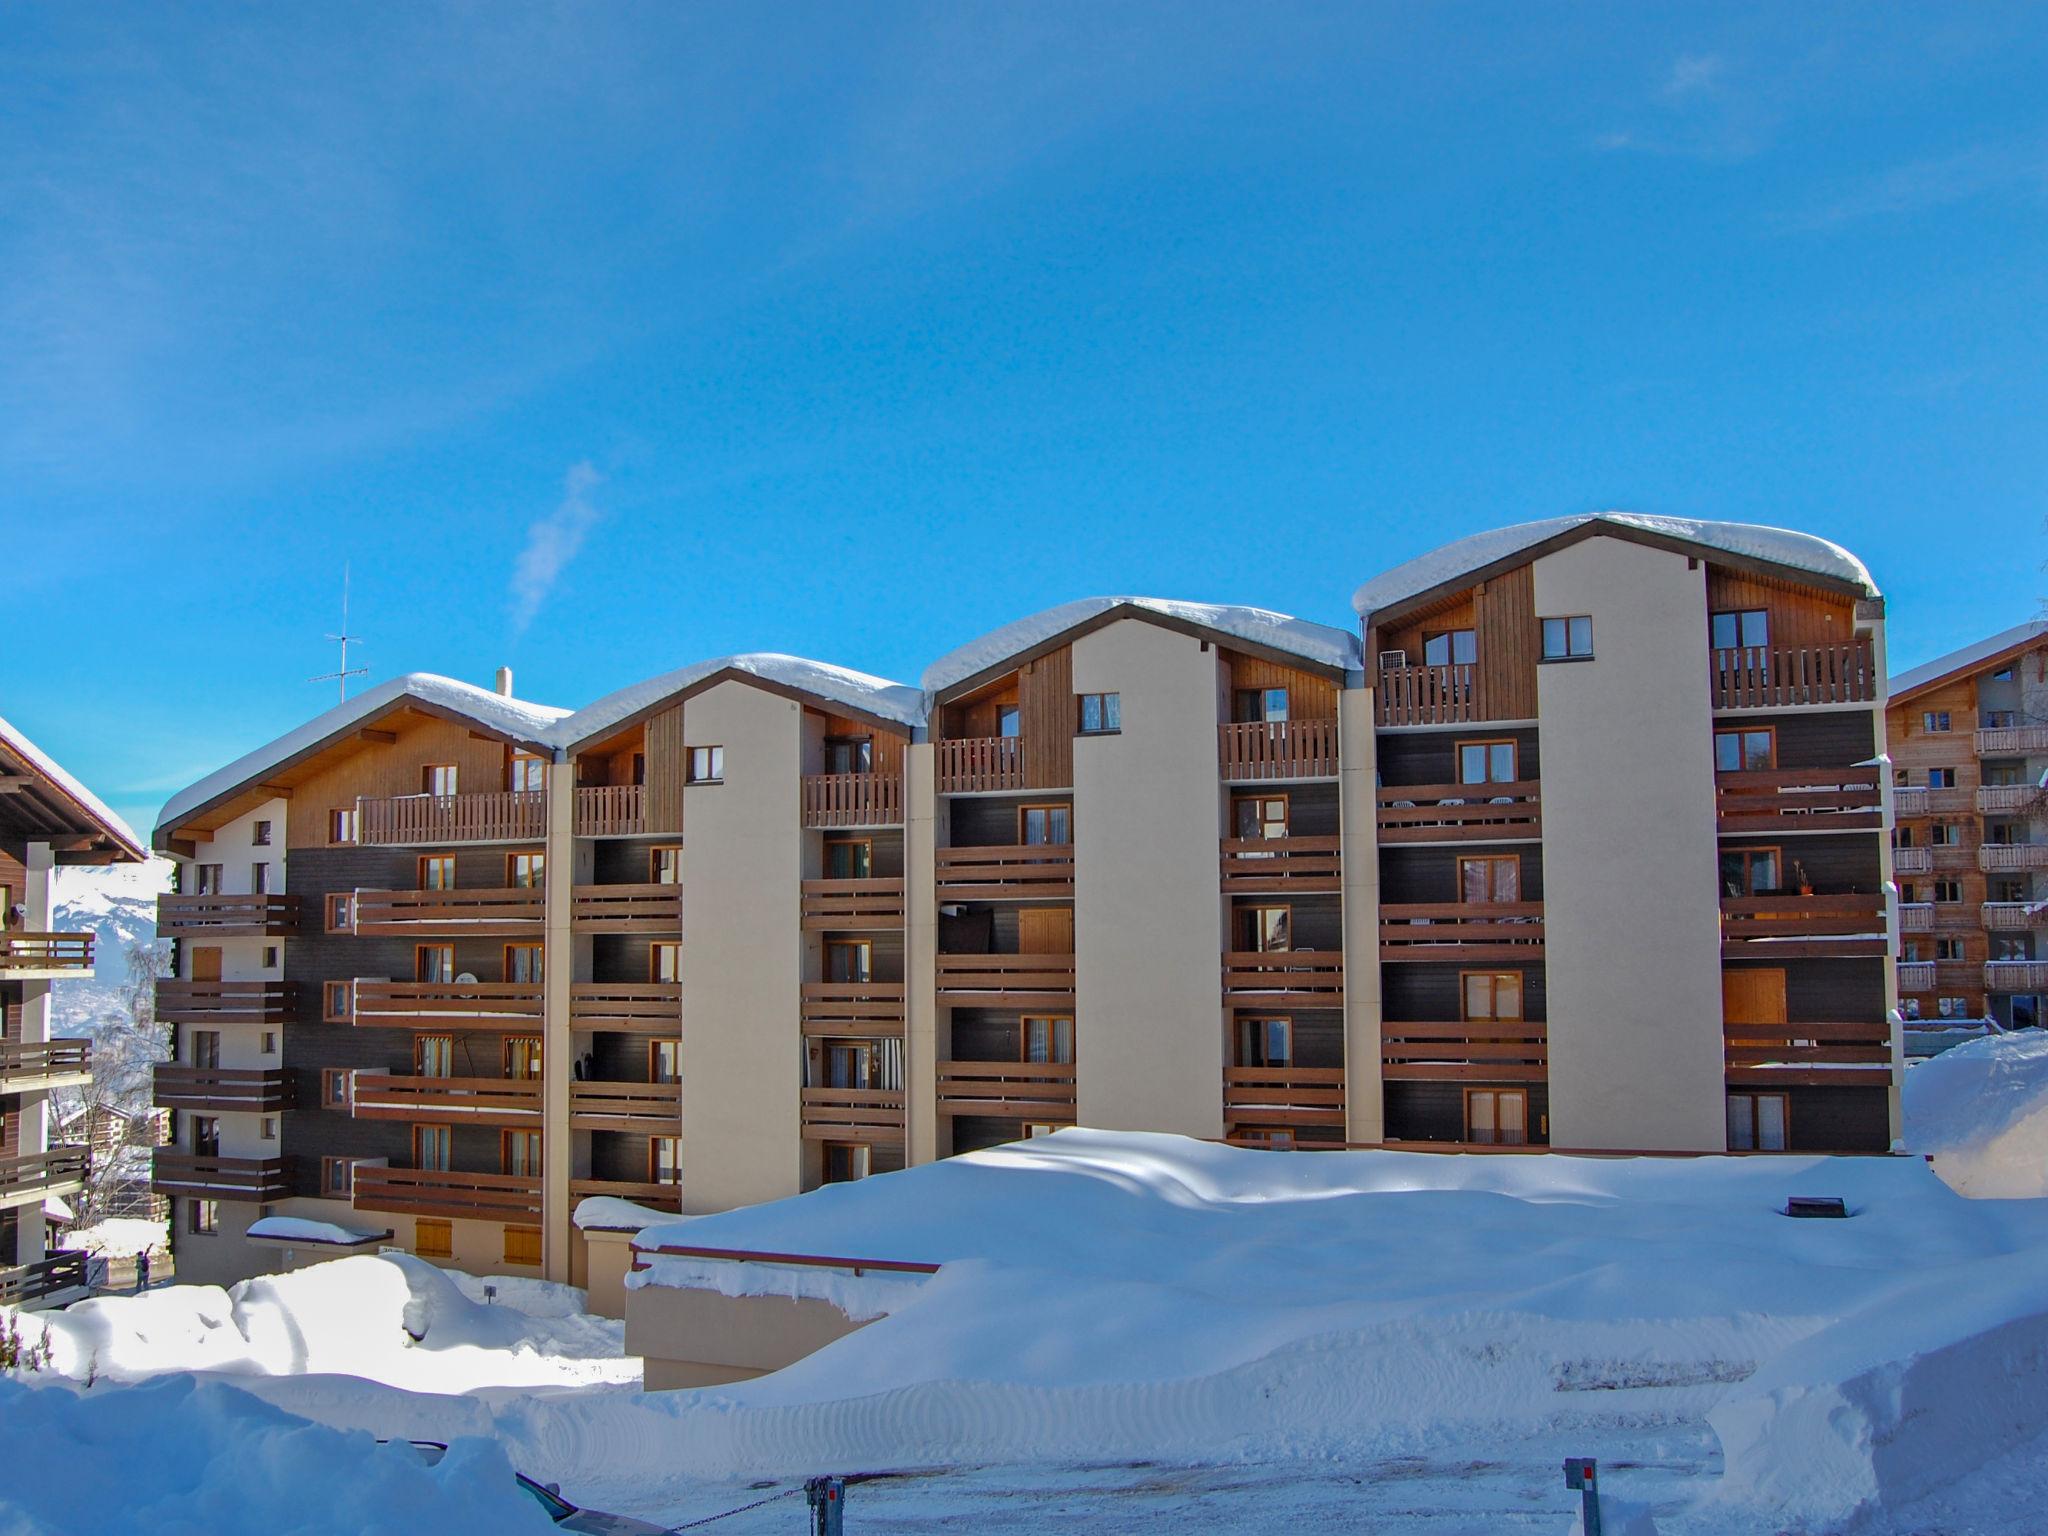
[[1393, 660]]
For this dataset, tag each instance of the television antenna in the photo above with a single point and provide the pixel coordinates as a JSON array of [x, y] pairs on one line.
[[340, 678]]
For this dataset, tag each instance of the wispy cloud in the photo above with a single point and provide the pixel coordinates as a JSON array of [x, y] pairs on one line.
[[1699, 109], [552, 542], [1692, 74], [1938, 181]]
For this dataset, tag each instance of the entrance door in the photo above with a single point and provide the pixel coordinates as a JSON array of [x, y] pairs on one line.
[[1045, 931], [205, 963], [1753, 997]]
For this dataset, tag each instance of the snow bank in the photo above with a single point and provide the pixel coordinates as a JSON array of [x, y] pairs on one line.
[[1981, 1109], [182, 1458], [120, 1237], [862, 1297]]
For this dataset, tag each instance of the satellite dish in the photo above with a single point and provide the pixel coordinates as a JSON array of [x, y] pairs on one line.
[[467, 978]]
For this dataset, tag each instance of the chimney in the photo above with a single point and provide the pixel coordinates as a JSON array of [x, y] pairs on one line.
[[505, 681]]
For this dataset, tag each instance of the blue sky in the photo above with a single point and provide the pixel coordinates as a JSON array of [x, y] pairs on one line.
[[600, 339]]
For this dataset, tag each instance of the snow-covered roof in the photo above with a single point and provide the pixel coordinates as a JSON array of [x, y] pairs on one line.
[[88, 802], [1780, 546], [860, 691], [510, 717], [608, 1213], [1915, 678], [300, 1229], [1317, 643]]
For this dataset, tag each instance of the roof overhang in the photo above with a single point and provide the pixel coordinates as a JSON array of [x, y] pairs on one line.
[[1970, 664], [840, 708], [37, 805]]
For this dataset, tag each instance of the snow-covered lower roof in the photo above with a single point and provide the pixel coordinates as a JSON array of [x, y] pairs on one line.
[[1915, 678], [88, 802], [299, 1229], [608, 1213], [1317, 643], [1779, 546], [859, 691]]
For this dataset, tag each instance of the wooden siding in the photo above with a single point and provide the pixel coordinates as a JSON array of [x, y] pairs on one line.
[[382, 769], [1800, 616], [885, 753], [667, 765], [1504, 611], [1043, 691], [1309, 695]]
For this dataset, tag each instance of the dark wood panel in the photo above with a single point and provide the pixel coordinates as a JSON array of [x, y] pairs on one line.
[[1504, 613], [1045, 717]]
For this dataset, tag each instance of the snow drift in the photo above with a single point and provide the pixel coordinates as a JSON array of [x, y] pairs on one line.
[[1981, 1110]]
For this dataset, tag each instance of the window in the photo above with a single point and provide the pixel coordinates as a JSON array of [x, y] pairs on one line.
[[338, 1176], [1497, 1117], [1945, 834], [1267, 1042], [202, 1217], [1909, 1007], [519, 1153], [337, 1002], [665, 962], [1265, 930], [664, 1061], [1450, 647], [1486, 762], [1738, 628], [437, 872], [707, 765], [1009, 723], [664, 1160], [259, 879], [438, 779], [206, 1136], [1934, 720], [1757, 1122], [205, 1048], [1250, 706], [848, 1064], [266, 1043], [207, 879], [1953, 1007], [1745, 751], [1568, 639], [433, 1238], [1047, 1038], [2002, 675], [526, 871], [1039, 825], [1491, 997], [523, 962], [665, 864], [266, 1128], [2004, 946], [334, 1087], [1490, 877], [259, 834], [1102, 714], [431, 1145], [433, 1055], [341, 826], [433, 962], [1999, 719], [2004, 773], [341, 912], [522, 1057], [270, 957], [1749, 872], [845, 1162], [1259, 818], [849, 754], [1941, 778], [1948, 891], [526, 773], [849, 960], [849, 858]]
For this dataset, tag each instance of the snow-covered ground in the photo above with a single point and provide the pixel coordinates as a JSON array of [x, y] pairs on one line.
[[121, 1237], [1980, 1110]]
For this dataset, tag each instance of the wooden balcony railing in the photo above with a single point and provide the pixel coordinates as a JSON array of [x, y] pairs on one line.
[[1757, 677], [1260, 865], [1462, 931], [612, 810], [1461, 813], [486, 912], [1909, 800], [60, 1273], [1948, 800], [497, 1101], [33, 1066], [227, 917], [45, 956], [652, 908], [447, 1192], [853, 906], [1439, 695], [33, 1179], [1916, 917], [2015, 975], [215, 1090], [1803, 927], [853, 799], [1038, 871], [1809, 1055], [2011, 799], [1800, 800], [226, 1002], [1265, 750], [627, 1007], [421, 1004], [1913, 861], [663, 1197], [218, 1178], [1041, 1091], [1952, 858], [1474, 1050], [2004, 740], [865, 1009], [1998, 858], [1006, 981], [637, 1109], [1283, 1096], [979, 763], [2008, 916], [496, 816], [1916, 975], [1256, 977], [853, 1114]]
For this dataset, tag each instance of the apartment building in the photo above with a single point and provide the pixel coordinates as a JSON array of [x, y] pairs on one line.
[[1576, 839], [1969, 748], [47, 820]]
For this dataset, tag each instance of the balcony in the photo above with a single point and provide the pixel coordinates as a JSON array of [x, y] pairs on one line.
[[226, 1002], [628, 1007], [1475, 1050], [1297, 1096], [227, 917], [216, 1090], [427, 1004], [1308, 978], [1800, 800], [36, 1066], [60, 1277], [33, 1179], [1916, 975], [45, 956], [1913, 861], [868, 1009], [853, 1114], [1035, 871], [1809, 1055], [1947, 800], [1266, 865], [663, 1197], [1755, 677], [853, 799], [1916, 917], [852, 906], [1459, 932], [2011, 799], [1909, 800], [509, 912], [499, 816], [2012, 740], [653, 909], [636, 1109], [1439, 695], [2003, 858], [1006, 981], [2016, 975], [612, 810], [511, 1102], [444, 1192], [1271, 751], [1461, 813], [1803, 927], [979, 764], [1038, 1091], [218, 1178], [2011, 916]]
